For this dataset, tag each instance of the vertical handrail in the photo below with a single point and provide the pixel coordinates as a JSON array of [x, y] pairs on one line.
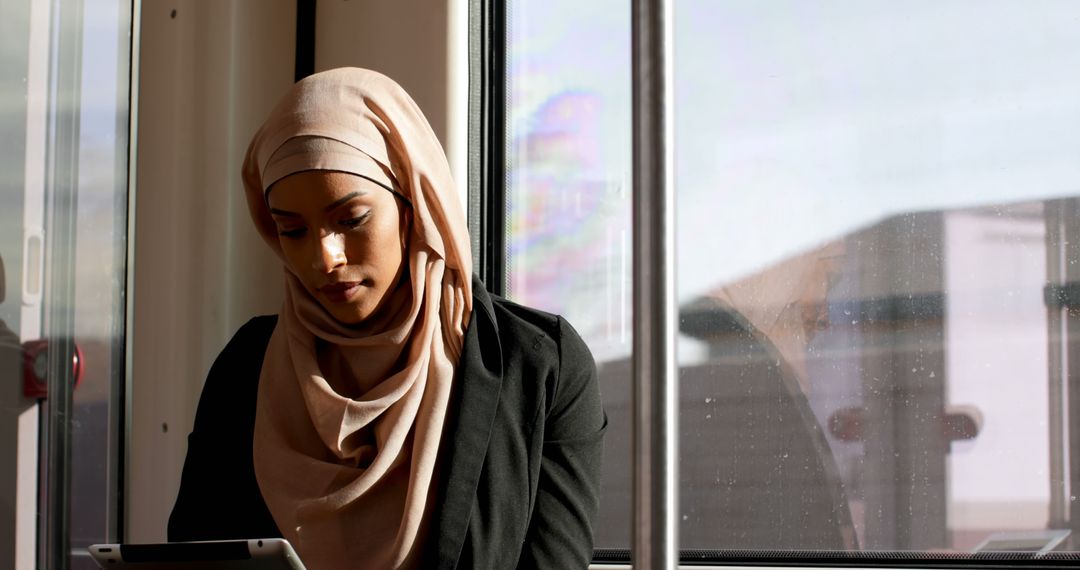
[[655, 544]]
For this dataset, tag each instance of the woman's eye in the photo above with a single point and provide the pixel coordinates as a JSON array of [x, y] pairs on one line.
[[356, 221], [293, 233]]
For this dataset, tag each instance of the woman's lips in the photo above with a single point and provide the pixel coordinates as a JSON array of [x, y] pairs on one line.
[[341, 292]]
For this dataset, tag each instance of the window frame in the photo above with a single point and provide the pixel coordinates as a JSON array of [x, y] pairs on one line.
[[486, 168], [487, 186]]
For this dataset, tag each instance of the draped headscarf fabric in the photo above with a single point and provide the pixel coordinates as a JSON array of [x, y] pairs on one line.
[[349, 418], [787, 302]]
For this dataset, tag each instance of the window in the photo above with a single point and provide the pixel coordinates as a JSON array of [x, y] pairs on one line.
[[63, 226], [877, 219]]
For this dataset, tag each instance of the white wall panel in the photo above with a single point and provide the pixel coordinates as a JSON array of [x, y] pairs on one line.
[[210, 71], [422, 45]]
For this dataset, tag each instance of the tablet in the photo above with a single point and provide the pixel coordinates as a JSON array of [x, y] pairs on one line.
[[258, 554], [1038, 541]]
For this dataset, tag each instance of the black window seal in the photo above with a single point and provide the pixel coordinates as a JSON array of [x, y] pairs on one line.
[[857, 558], [305, 39], [487, 141]]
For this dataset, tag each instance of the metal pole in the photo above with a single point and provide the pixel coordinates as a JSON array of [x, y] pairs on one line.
[[655, 540], [1056, 268]]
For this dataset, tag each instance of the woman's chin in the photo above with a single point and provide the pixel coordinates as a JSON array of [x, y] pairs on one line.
[[350, 313], [351, 316]]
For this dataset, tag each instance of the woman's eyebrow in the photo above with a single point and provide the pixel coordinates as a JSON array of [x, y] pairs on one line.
[[335, 204], [343, 200]]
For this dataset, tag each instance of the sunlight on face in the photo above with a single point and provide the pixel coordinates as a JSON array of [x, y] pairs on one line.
[[343, 236]]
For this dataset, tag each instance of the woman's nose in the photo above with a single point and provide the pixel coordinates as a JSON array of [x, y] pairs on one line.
[[331, 253]]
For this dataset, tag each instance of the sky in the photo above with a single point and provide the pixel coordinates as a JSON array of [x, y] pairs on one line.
[[799, 122]]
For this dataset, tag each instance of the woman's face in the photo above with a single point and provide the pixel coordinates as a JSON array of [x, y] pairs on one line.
[[343, 236]]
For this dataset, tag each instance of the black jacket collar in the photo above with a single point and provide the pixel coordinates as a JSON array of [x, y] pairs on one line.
[[479, 384]]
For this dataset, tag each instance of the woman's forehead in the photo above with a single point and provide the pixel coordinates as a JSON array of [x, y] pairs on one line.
[[321, 189]]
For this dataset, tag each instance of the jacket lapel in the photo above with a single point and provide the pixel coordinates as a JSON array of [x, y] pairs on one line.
[[479, 384]]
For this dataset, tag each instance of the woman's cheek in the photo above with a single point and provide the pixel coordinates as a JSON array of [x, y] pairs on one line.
[[298, 262], [364, 251]]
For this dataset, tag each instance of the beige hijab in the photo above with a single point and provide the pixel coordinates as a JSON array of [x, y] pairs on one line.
[[349, 419]]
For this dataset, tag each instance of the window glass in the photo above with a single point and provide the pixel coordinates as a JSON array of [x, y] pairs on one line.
[[64, 93], [877, 243], [99, 274]]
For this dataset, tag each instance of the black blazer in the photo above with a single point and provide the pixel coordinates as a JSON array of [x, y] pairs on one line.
[[520, 469]]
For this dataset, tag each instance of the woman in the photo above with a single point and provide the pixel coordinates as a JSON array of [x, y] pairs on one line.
[[394, 415]]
